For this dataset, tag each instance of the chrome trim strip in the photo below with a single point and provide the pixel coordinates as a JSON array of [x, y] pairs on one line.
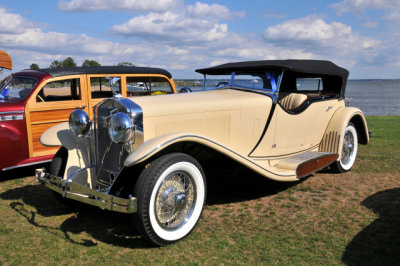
[[216, 143], [12, 113], [11, 117], [24, 165], [284, 155]]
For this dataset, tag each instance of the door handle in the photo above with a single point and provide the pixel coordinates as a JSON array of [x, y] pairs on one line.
[[329, 108], [81, 107]]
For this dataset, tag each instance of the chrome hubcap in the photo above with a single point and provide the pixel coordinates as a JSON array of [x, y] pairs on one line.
[[348, 148], [175, 200]]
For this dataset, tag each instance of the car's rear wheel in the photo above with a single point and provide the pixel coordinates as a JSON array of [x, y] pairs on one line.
[[170, 194], [349, 150]]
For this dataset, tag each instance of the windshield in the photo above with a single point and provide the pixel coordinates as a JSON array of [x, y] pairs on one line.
[[17, 88], [268, 81]]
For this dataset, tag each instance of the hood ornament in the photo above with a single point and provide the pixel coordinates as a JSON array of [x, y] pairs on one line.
[[114, 87]]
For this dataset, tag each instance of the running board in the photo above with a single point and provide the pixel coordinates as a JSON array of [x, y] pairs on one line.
[[307, 163]]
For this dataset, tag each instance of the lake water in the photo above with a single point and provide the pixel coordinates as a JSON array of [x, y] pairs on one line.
[[373, 97]]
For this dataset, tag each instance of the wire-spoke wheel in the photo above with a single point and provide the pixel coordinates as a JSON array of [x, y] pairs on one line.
[[170, 196], [349, 149]]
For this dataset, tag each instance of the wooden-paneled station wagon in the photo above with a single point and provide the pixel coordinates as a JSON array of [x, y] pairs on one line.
[[284, 119], [5, 61], [32, 101]]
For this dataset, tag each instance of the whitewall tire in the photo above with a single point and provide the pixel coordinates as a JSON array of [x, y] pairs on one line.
[[349, 149], [170, 194]]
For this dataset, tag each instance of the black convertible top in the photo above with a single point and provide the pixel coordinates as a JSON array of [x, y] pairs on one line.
[[320, 67], [334, 77], [57, 72]]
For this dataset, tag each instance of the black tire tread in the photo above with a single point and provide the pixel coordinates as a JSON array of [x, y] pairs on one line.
[[57, 165]]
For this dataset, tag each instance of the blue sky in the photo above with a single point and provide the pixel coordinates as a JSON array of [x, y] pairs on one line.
[[182, 35]]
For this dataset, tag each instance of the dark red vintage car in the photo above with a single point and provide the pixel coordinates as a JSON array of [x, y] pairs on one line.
[[32, 101]]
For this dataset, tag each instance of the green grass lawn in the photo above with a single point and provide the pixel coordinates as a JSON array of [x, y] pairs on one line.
[[351, 218]]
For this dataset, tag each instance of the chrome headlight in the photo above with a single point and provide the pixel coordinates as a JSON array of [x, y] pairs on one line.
[[79, 123], [121, 128]]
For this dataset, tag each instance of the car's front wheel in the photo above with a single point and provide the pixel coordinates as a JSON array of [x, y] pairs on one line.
[[57, 165], [170, 194], [349, 149]]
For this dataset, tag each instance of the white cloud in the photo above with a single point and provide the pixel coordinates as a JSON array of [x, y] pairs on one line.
[[193, 24], [54, 42], [212, 11], [193, 37], [12, 23], [172, 28], [362, 5], [313, 34], [309, 28], [120, 5]]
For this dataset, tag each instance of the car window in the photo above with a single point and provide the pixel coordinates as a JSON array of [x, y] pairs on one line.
[[266, 81], [249, 82], [17, 88], [60, 90], [140, 86], [100, 87], [309, 84]]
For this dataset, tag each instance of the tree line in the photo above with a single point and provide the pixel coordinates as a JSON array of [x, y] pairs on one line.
[[70, 62]]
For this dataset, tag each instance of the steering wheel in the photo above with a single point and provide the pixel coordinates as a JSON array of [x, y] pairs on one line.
[[221, 83], [185, 90]]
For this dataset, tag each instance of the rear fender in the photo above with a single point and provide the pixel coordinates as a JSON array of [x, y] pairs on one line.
[[332, 140]]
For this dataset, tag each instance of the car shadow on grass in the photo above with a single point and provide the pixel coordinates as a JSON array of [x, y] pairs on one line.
[[34, 202], [379, 242], [228, 184]]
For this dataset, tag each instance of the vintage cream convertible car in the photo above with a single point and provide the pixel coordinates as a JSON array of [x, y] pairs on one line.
[[284, 119]]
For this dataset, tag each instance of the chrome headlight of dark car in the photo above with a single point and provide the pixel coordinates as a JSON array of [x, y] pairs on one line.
[[79, 123], [121, 129]]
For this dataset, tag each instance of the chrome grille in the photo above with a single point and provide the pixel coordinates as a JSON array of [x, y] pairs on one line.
[[110, 156]]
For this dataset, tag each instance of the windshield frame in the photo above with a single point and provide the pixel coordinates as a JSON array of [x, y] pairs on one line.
[[274, 77]]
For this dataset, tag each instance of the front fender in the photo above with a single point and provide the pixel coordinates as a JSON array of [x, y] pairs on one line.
[[13, 143], [157, 144], [58, 135], [61, 135], [332, 140]]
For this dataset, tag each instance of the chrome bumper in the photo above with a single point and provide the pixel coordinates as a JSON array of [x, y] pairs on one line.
[[83, 194]]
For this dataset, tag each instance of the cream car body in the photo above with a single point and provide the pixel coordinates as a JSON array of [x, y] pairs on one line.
[[279, 130]]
